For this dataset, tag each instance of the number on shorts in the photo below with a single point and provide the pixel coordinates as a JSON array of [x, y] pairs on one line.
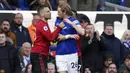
[[74, 65]]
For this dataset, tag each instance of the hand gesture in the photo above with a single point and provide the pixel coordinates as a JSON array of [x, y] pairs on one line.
[[61, 37], [75, 36], [61, 25]]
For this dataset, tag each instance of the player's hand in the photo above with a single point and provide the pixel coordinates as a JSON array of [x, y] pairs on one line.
[[75, 36], [61, 25], [68, 21], [61, 37]]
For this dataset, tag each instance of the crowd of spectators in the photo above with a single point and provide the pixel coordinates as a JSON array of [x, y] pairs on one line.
[[89, 5]]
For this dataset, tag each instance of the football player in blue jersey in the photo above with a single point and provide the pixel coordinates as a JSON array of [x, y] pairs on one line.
[[67, 49]]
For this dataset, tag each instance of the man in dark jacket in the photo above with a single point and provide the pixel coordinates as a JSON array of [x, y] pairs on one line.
[[113, 44], [9, 61], [22, 34]]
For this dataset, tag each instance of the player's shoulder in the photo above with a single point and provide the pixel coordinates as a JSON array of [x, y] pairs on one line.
[[41, 23], [73, 19]]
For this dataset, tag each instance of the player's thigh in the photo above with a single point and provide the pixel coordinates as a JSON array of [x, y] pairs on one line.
[[73, 64], [61, 63]]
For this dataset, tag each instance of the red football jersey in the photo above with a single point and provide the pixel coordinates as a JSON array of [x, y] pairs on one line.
[[43, 38]]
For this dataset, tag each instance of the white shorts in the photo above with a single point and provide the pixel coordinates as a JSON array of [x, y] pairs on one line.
[[67, 63]]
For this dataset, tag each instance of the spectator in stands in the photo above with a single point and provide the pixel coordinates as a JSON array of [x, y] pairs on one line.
[[113, 44], [92, 5], [126, 65], [5, 27], [9, 61], [107, 60], [126, 42], [28, 68], [24, 55], [112, 68], [22, 34], [51, 68], [87, 70], [4, 5], [37, 3], [84, 20], [32, 28], [19, 4], [91, 47]]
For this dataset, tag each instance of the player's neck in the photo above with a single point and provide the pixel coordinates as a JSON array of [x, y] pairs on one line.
[[45, 20], [66, 16]]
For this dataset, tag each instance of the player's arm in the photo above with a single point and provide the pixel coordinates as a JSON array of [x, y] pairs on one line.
[[51, 36], [78, 28], [64, 37]]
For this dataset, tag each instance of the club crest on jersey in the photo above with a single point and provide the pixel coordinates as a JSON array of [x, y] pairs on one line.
[[45, 28]]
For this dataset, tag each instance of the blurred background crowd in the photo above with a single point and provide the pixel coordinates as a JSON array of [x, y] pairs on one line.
[[110, 55], [80, 5]]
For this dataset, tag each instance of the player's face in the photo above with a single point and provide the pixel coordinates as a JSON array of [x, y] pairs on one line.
[[60, 13], [46, 13]]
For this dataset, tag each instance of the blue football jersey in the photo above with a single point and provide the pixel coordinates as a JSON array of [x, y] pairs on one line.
[[67, 46]]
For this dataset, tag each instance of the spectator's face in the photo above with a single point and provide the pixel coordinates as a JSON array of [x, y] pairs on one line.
[[60, 13], [90, 29], [112, 68], [62, 1], [18, 19], [107, 62], [109, 30], [87, 70], [127, 36], [5, 26], [30, 68], [51, 69], [84, 24], [35, 19], [27, 48], [127, 63], [2, 38], [46, 13]]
